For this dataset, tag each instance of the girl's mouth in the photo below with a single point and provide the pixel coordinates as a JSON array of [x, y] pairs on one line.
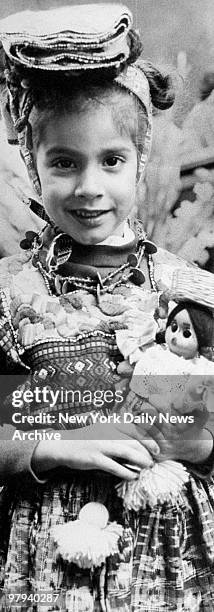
[[89, 218], [88, 214]]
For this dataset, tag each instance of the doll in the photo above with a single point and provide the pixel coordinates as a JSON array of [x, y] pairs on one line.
[[189, 330], [173, 375]]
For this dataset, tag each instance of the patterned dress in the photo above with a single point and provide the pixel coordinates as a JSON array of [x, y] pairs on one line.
[[165, 558]]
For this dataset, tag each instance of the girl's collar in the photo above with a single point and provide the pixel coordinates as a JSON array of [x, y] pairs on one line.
[[114, 240], [58, 258]]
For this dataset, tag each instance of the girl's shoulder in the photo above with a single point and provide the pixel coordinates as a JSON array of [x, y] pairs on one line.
[[182, 280], [165, 258], [161, 257], [18, 274], [11, 266]]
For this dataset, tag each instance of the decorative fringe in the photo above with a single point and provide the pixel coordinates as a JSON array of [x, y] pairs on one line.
[[161, 483], [89, 540]]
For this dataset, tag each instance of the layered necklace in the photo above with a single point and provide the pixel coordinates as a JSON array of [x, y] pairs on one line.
[[60, 251]]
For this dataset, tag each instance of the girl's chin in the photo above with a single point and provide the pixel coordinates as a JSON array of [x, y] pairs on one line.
[[90, 232], [86, 237]]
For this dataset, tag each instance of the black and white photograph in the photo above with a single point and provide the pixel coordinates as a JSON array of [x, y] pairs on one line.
[[106, 306]]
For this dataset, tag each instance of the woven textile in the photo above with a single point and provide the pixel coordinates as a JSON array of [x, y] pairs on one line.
[[165, 561], [68, 38]]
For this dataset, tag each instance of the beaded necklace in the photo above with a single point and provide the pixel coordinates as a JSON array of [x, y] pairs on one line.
[[60, 251]]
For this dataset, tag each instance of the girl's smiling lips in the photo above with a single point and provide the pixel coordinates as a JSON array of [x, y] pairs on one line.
[[88, 217]]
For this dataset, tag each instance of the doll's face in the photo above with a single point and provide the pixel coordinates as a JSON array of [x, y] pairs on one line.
[[180, 336]]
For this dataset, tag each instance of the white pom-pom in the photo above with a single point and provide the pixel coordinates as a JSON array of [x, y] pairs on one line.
[[161, 483], [95, 514], [88, 541]]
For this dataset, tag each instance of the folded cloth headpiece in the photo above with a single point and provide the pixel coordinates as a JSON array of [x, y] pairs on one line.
[[135, 81], [69, 37]]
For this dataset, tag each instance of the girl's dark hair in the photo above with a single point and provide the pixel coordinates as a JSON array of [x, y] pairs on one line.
[[50, 92], [44, 83], [161, 85]]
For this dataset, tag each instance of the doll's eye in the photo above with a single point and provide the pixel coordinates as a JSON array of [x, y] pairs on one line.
[[187, 333], [174, 326]]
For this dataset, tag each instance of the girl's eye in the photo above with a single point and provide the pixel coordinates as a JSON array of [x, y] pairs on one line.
[[174, 326], [187, 333], [64, 164], [113, 161]]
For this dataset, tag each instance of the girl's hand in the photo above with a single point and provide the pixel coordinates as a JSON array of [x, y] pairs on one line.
[[125, 369], [184, 440], [84, 452]]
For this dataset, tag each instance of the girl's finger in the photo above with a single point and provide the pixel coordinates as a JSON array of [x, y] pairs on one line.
[[113, 467], [151, 445], [149, 440], [132, 452], [131, 430], [140, 434]]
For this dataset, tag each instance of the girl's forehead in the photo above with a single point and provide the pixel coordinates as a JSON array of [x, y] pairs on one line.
[[91, 125]]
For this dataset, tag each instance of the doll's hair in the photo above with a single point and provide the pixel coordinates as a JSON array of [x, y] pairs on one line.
[[202, 321]]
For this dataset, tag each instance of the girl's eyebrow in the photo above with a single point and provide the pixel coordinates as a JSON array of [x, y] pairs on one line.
[[116, 149], [56, 150], [112, 150]]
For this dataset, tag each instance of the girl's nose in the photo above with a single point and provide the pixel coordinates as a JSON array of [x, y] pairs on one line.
[[89, 185]]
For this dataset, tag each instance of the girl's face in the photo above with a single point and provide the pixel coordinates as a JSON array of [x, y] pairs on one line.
[[87, 170], [180, 336]]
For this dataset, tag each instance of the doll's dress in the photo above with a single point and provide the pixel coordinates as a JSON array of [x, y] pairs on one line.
[[165, 557], [163, 373]]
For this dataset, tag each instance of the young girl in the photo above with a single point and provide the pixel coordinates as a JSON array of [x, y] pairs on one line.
[[81, 107]]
